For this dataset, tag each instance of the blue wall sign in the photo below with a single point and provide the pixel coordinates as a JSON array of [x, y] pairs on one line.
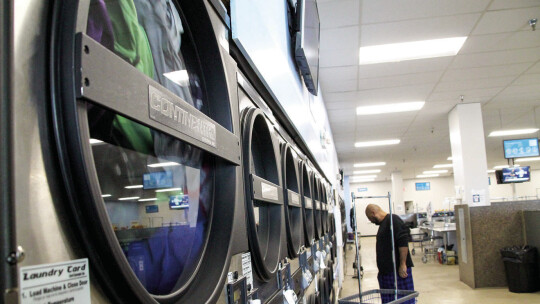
[[423, 186], [152, 209], [363, 189]]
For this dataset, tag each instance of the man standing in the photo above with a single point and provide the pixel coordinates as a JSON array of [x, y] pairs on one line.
[[384, 252]]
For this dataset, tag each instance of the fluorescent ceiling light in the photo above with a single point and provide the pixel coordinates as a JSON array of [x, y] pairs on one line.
[[133, 187], [490, 171], [364, 176], [94, 141], [167, 164], [106, 195], [362, 144], [363, 180], [529, 159], [390, 108], [128, 198], [367, 171], [427, 175], [364, 165], [148, 199], [512, 132], [435, 172], [168, 189], [450, 158], [443, 166], [395, 52], [501, 167], [179, 77]]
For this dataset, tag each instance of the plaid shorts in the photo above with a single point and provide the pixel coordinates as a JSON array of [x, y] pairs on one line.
[[386, 281]]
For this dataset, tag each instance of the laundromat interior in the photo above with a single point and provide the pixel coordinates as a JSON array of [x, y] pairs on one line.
[[240, 151]]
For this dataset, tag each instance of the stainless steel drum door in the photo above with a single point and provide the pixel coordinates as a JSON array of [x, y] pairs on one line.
[[315, 186], [263, 192], [293, 205], [307, 205], [143, 125]]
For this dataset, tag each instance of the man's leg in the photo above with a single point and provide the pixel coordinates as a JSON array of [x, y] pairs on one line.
[[386, 281]]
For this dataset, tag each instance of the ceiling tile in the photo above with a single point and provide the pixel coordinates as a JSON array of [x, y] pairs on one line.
[[396, 94], [419, 29], [339, 13], [483, 83], [339, 73], [517, 91], [399, 80], [496, 58], [506, 21], [375, 11], [485, 72], [478, 95], [344, 38], [335, 58], [528, 79], [534, 70], [339, 86], [505, 4], [499, 42]]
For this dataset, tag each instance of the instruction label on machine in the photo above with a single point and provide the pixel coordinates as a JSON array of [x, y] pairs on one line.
[[59, 283], [246, 268]]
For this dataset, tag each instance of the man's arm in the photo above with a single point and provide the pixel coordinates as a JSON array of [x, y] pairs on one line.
[[402, 270]]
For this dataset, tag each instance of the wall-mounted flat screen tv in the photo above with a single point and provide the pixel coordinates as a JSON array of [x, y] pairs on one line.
[[157, 180], [516, 175], [307, 39], [526, 147]]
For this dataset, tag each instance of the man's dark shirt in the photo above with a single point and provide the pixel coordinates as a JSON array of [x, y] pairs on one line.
[[384, 244]]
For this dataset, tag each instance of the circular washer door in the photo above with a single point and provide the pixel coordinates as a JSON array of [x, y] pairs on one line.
[[324, 208], [264, 195], [307, 205], [143, 124], [315, 186], [291, 198]]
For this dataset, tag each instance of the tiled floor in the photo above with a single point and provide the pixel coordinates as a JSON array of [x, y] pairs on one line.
[[436, 283]]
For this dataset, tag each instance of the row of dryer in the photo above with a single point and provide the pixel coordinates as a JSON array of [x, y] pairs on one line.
[[156, 158]]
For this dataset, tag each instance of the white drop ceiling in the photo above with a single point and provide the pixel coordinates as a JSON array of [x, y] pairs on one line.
[[498, 66]]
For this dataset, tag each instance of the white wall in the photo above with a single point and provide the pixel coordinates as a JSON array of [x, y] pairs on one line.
[[441, 195], [260, 29]]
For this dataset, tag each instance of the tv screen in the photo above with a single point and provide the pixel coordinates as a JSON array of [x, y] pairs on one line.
[[516, 175], [157, 180], [307, 43], [516, 148], [179, 201]]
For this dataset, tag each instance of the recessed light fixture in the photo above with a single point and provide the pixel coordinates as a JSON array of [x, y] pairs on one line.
[[168, 189], [362, 144], [435, 172], [390, 108], [395, 52], [134, 187], [427, 175], [450, 158], [364, 165], [363, 180], [512, 132], [367, 171], [106, 195], [148, 199], [490, 171], [529, 159], [167, 164], [364, 176], [94, 141], [443, 166], [132, 198]]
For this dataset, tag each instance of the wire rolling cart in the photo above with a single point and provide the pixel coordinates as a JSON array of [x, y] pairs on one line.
[[375, 296]]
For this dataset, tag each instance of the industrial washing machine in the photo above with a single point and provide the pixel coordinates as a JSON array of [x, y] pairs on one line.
[[127, 148]]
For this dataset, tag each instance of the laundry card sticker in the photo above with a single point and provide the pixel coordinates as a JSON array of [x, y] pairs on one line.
[[65, 282], [246, 268]]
